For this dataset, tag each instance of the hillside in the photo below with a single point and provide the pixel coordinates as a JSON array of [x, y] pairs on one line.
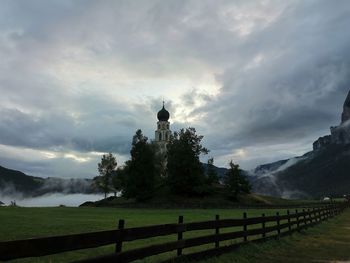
[[323, 172], [14, 182], [216, 200]]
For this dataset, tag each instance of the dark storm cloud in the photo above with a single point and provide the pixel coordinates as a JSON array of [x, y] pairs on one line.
[[297, 89], [281, 69], [51, 131]]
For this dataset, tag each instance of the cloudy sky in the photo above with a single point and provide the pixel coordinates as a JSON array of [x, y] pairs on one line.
[[261, 80]]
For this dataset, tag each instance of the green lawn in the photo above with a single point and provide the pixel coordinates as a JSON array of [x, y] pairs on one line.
[[327, 241], [19, 222]]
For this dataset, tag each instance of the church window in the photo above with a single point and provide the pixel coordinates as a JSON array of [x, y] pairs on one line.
[[166, 136], [160, 136], [167, 126], [158, 126]]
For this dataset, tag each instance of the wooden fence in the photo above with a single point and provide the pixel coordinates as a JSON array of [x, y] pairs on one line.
[[257, 228]]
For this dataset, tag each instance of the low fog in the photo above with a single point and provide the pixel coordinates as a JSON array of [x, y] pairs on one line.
[[55, 199]]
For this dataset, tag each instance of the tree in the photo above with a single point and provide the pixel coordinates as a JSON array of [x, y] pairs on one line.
[[141, 169], [235, 182], [106, 169], [185, 171], [118, 180], [212, 175]]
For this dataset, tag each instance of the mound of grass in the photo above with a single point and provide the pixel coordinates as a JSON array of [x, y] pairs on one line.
[[215, 200]]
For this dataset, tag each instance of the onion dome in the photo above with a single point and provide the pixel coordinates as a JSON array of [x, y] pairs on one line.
[[163, 114]]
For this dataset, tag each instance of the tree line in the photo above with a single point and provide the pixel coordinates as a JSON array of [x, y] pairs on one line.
[[179, 170]]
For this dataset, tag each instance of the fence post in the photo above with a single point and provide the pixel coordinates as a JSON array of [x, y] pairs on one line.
[[331, 210], [217, 217], [180, 235], [289, 226], [118, 245], [278, 224], [245, 226], [309, 214], [263, 226], [327, 212], [305, 223], [296, 212], [319, 214]]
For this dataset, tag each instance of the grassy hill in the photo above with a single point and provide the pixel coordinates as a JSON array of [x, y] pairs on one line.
[[216, 200]]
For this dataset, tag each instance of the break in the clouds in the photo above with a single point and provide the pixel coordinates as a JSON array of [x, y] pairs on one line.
[[259, 79]]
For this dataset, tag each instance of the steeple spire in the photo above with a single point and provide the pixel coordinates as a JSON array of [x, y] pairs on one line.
[[163, 132]]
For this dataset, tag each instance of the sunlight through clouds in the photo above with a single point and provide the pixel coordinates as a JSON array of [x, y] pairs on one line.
[[260, 80]]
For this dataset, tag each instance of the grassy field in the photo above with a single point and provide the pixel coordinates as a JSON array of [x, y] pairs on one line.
[[327, 242], [19, 222]]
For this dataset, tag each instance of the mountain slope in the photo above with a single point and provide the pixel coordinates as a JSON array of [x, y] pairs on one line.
[[15, 182], [12, 180], [324, 172]]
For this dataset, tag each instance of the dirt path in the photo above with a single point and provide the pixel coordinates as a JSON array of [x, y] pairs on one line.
[[327, 242]]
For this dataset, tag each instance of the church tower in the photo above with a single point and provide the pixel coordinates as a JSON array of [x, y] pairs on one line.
[[163, 133]]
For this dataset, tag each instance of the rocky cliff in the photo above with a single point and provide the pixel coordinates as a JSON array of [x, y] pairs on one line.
[[339, 134], [325, 171]]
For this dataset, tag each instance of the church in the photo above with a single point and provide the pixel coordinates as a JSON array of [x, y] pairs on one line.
[[163, 133]]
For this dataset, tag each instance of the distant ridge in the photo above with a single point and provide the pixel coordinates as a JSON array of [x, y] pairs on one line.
[[13, 182]]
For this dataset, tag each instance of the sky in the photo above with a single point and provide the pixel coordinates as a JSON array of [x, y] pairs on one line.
[[260, 80]]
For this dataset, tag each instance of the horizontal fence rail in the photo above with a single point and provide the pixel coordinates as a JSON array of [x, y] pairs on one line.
[[275, 226]]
